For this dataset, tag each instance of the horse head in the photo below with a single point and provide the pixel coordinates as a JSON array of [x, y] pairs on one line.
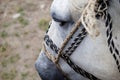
[[90, 47]]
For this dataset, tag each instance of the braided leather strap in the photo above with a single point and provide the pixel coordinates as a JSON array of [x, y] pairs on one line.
[[101, 12]]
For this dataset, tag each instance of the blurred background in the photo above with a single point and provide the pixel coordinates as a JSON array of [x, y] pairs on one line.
[[22, 27]]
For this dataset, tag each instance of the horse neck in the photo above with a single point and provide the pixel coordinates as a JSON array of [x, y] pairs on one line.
[[114, 11]]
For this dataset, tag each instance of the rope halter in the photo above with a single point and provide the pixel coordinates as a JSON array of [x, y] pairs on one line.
[[95, 9]]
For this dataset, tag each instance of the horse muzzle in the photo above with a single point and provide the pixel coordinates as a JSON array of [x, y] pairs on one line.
[[47, 69]]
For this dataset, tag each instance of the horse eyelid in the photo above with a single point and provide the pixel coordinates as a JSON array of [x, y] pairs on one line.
[[62, 23]]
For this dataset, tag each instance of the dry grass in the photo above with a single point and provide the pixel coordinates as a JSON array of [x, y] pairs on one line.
[[21, 37], [43, 24]]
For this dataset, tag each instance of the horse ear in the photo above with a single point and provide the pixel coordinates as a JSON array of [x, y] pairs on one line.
[[89, 20]]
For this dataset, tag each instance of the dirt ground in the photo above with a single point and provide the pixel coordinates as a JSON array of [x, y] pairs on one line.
[[22, 27]]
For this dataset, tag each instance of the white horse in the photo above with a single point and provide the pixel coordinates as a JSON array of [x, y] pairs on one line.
[[97, 54]]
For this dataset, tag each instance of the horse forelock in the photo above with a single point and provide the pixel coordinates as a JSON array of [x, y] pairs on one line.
[[86, 12]]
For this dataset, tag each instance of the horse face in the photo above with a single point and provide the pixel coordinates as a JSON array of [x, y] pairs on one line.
[[67, 11], [98, 61], [64, 15], [63, 20]]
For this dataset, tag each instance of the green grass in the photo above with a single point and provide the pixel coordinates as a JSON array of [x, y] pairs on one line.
[[26, 33], [3, 47], [24, 75], [4, 63], [11, 60], [39, 49], [23, 21], [26, 65], [43, 24], [27, 46], [20, 10], [5, 25], [9, 75], [17, 34], [3, 34], [14, 58]]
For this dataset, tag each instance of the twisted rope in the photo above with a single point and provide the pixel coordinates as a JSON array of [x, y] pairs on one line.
[[78, 39], [53, 59], [75, 28], [101, 8], [68, 60]]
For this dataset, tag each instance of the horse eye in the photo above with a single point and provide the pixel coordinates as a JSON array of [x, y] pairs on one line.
[[62, 23]]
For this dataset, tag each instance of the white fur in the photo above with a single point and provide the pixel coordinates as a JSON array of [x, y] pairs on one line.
[[93, 55]]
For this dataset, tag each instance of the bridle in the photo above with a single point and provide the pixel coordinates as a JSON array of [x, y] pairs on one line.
[[101, 7]]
